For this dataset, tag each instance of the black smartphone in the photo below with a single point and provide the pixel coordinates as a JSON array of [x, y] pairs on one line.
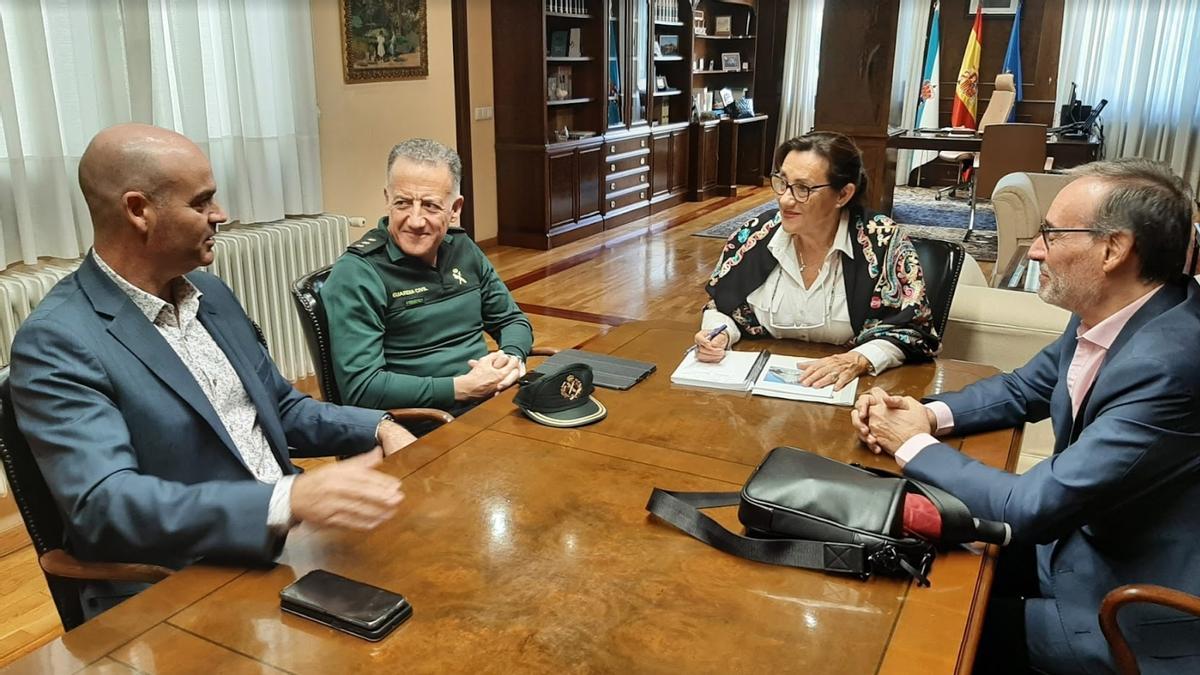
[[354, 607]]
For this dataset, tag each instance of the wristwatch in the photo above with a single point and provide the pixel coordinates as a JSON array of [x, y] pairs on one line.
[[387, 417]]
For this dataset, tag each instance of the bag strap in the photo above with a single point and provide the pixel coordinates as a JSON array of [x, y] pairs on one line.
[[682, 509]]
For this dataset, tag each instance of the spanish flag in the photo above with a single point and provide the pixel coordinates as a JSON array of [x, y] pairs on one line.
[[966, 92]]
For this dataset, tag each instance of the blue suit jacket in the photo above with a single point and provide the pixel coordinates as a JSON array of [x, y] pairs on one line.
[[1118, 501], [134, 453]]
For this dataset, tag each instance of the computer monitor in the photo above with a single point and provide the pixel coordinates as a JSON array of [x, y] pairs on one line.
[[1085, 127]]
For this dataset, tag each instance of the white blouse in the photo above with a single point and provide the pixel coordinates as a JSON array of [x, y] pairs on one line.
[[786, 309]]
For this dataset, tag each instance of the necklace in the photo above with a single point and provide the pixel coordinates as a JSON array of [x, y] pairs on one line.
[[802, 265]]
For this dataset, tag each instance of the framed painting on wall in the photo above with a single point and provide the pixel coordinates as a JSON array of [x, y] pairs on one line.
[[384, 40], [994, 7]]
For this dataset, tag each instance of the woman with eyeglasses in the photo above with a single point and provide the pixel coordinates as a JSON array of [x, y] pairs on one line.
[[821, 268]]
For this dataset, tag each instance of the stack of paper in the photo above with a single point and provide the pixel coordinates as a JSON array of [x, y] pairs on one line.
[[737, 371]]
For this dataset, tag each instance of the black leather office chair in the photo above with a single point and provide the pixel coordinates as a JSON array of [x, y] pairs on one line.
[[45, 525], [941, 263]]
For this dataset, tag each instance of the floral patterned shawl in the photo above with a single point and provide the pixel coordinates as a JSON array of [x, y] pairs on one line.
[[885, 288]]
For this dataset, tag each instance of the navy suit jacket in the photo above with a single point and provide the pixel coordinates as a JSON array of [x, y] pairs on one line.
[[132, 450], [1119, 500]]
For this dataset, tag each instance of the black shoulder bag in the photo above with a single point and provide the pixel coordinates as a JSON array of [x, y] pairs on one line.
[[804, 510]]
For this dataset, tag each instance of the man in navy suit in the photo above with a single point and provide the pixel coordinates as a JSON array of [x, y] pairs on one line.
[[161, 425], [1117, 503]]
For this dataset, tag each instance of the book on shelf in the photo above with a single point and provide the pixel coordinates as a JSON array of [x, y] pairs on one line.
[[559, 42], [573, 43], [762, 374]]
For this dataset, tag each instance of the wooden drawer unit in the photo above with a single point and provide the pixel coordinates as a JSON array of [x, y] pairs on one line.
[[626, 145], [627, 162], [614, 185], [634, 195]]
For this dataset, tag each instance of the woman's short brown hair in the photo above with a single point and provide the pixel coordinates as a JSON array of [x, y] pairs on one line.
[[842, 155]]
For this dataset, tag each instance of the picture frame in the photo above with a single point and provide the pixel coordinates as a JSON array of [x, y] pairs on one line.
[[669, 44], [384, 41], [698, 26], [994, 7], [660, 82], [723, 25], [731, 61]]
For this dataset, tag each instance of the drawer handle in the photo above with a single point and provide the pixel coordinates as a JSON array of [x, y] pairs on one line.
[[612, 167], [642, 194], [612, 186], [612, 149], [642, 178], [643, 142], [643, 161], [612, 204]]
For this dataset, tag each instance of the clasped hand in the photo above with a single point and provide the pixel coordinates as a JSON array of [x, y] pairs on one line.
[[488, 376], [884, 421]]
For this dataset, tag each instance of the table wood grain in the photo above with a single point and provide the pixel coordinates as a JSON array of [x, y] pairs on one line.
[[528, 548]]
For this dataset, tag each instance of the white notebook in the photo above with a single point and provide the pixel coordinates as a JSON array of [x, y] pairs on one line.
[[737, 371], [781, 378]]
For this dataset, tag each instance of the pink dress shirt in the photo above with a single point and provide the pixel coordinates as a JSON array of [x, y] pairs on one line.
[[1091, 346]]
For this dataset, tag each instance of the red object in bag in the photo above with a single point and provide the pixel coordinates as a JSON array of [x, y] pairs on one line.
[[921, 518]]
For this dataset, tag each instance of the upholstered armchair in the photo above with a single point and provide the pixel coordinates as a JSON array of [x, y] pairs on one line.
[[1021, 201]]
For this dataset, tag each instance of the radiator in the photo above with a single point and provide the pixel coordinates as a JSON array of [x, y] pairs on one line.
[[22, 287], [258, 261]]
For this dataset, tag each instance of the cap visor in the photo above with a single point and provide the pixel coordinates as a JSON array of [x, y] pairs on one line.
[[591, 411]]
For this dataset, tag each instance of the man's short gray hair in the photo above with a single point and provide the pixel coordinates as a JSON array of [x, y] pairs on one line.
[[426, 151], [1148, 200]]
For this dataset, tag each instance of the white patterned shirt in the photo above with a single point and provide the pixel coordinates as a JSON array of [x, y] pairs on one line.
[[819, 313], [179, 325]]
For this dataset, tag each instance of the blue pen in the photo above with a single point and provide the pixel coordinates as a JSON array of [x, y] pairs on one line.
[[711, 334]]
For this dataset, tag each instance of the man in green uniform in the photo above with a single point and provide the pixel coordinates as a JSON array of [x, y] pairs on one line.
[[409, 302]]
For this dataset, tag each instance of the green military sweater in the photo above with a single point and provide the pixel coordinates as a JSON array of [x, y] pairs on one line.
[[402, 330]]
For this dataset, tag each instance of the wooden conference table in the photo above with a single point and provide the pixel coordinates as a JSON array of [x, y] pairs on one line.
[[528, 548]]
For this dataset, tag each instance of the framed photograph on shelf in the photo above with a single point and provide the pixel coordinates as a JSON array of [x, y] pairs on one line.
[[724, 25], [384, 42], [994, 7], [660, 82], [698, 26], [731, 61], [669, 45]]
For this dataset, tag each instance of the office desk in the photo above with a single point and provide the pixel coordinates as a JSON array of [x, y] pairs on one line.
[[1071, 151], [527, 548]]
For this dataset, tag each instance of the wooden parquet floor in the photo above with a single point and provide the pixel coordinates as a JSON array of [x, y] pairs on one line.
[[649, 269]]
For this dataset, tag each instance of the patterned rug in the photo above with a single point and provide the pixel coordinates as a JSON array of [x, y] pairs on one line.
[[921, 215]]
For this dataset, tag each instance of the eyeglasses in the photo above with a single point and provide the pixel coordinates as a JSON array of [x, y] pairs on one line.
[[1056, 232], [800, 192]]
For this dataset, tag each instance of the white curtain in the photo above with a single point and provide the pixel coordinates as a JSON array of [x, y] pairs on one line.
[[235, 76], [907, 74], [1144, 57], [802, 61]]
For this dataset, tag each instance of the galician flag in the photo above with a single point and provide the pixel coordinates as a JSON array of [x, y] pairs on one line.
[[927, 106], [1012, 59], [966, 92]]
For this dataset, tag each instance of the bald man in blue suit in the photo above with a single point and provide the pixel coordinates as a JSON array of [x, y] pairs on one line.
[[162, 427]]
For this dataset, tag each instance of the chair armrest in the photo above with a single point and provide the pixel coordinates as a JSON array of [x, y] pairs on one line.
[[1124, 595], [421, 414], [59, 563], [543, 351]]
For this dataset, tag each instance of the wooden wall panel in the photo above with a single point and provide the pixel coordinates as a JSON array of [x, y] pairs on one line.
[[1041, 37]]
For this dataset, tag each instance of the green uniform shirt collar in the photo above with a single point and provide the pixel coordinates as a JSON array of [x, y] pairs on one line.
[[394, 252]]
